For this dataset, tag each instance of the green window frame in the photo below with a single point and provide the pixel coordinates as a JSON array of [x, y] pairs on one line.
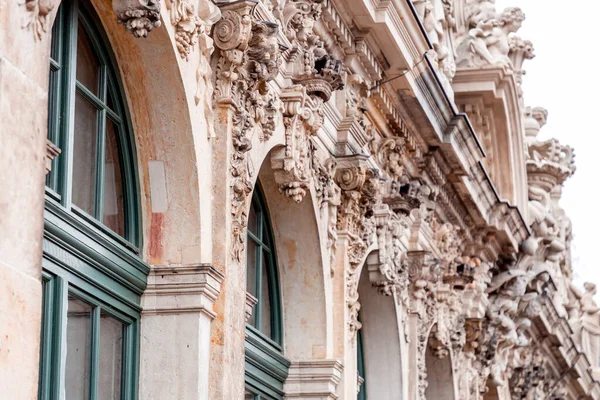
[[92, 275], [360, 363], [107, 99], [266, 366]]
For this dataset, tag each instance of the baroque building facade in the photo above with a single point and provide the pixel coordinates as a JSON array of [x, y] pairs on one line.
[[294, 199]]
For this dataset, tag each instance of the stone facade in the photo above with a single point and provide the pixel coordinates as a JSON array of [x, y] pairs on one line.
[[409, 194]]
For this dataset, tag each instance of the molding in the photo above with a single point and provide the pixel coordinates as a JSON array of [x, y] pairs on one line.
[[52, 151], [250, 303], [266, 367], [112, 255], [178, 289], [313, 379]]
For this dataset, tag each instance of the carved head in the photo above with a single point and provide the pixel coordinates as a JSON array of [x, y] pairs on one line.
[[512, 18]]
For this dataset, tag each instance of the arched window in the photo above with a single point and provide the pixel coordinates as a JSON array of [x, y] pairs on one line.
[[94, 175], [266, 367], [92, 276]]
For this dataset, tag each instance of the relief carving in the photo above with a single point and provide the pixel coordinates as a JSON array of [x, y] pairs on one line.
[[315, 75], [487, 42], [139, 17], [247, 61], [37, 19], [360, 191], [302, 117]]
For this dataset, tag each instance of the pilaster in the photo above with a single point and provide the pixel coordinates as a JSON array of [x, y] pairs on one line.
[[176, 326]]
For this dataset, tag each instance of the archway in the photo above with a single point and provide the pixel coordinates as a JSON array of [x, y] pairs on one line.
[[440, 376], [380, 342], [168, 128], [302, 279]]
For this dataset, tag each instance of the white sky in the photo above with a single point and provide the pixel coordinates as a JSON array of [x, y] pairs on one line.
[[564, 78]]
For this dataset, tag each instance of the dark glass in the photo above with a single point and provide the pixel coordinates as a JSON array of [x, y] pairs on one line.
[[114, 215], [252, 221], [84, 154], [110, 358], [251, 275], [87, 62], [77, 371], [110, 99], [264, 300]]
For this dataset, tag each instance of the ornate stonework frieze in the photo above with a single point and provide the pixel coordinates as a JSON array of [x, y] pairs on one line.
[[360, 191], [329, 198], [311, 64], [248, 59], [315, 75], [139, 17], [302, 117]]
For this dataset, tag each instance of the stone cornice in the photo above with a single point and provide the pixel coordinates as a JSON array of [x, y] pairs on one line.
[[313, 379], [177, 289]]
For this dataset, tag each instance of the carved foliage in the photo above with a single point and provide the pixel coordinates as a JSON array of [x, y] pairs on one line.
[[138, 16], [248, 59], [360, 191], [191, 25], [302, 117], [311, 64]]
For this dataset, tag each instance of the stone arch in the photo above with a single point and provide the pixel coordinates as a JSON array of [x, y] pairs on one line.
[[169, 137], [439, 366], [306, 317], [381, 337]]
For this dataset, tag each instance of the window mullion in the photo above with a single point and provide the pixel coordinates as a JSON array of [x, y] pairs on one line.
[[258, 286], [68, 128], [60, 341], [101, 146], [49, 388], [101, 149], [94, 353]]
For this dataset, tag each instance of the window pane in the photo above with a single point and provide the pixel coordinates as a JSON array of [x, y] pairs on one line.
[[265, 304], [248, 395], [114, 217], [87, 63], [84, 154], [251, 274], [109, 365], [110, 98], [77, 374], [252, 221]]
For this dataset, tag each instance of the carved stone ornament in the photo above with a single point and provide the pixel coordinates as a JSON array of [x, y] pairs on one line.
[[488, 42], [247, 61], [311, 64], [302, 117], [190, 24], [138, 16], [37, 17], [437, 17], [360, 191], [514, 295]]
